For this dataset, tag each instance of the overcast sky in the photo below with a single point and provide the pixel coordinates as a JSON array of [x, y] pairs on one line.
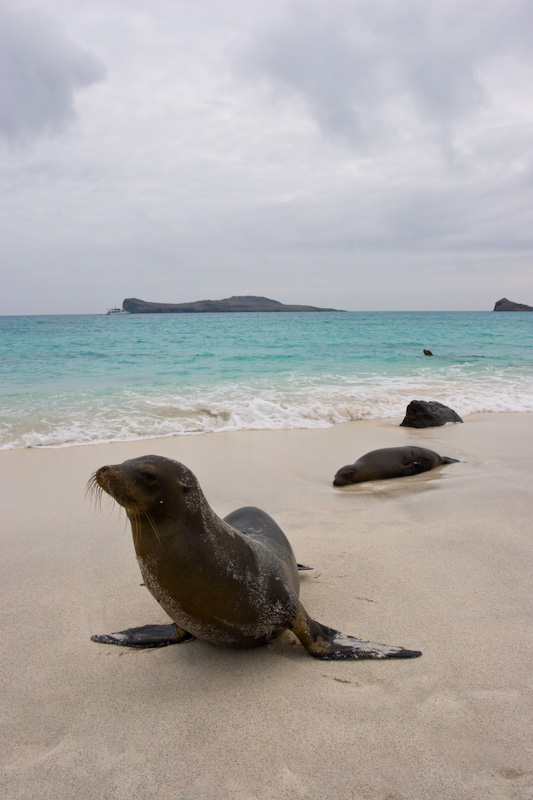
[[360, 154]]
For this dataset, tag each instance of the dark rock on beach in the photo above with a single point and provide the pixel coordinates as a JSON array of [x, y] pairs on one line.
[[428, 414], [507, 305], [246, 303]]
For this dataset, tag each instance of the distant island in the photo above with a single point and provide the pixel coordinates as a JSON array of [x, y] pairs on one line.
[[507, 305], [230, 304]]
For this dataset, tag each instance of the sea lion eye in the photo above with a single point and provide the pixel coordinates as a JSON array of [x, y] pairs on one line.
[[149, 477]]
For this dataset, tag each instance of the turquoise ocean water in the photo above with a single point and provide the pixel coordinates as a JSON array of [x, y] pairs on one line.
[[69, 380]]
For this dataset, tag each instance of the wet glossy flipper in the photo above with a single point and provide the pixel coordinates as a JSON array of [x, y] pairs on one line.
[[145, 636], [331, 645]]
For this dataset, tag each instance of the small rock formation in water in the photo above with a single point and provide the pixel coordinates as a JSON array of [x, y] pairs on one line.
[[507, 305], [428, 414], [230, 304]]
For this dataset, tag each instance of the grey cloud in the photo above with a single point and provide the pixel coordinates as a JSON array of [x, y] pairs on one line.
[[40, 70], [370, 72], [320, 62]]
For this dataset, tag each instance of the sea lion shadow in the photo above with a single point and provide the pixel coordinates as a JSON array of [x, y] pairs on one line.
[[393, 488], [212, 665]]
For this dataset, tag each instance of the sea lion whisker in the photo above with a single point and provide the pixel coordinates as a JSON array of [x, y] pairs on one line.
[[135, 534], [91, 486], [94, 492], [135, 520], [153, 527]]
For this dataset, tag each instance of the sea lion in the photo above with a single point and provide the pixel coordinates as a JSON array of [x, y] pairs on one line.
[[231, 581], [390, 462], [428, 353]]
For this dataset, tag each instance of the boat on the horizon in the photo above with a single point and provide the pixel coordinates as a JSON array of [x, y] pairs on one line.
[[117, 311]]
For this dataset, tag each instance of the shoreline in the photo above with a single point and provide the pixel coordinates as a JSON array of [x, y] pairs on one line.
[[439, 562], [392, 421]]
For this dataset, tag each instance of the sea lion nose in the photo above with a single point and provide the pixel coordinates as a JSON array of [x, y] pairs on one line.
[[102, 470]]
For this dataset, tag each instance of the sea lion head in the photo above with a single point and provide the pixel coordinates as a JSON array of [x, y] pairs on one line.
[[346, 475], [145, 484]]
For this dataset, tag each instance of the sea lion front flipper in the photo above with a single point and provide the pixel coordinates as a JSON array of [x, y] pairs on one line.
[[146, 636], [415, 468], [328, 644]]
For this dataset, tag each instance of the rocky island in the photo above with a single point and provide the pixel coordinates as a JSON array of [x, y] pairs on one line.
[[507, 305], [228, 305]]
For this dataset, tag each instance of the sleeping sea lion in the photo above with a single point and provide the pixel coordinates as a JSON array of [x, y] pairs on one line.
[[231, 581], [390, 462]]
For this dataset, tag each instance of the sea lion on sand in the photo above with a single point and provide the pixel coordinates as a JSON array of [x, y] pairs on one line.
[[232, 582], [390, 462]]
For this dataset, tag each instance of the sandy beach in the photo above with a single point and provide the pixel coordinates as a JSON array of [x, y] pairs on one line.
[[440, 562]]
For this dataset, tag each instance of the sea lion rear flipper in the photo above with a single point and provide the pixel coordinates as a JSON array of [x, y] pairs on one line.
[[448, 460], [302, 567], [328, 644], [146, 636]]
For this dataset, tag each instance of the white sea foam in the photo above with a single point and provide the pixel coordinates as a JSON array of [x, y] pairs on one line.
[[135, 415]]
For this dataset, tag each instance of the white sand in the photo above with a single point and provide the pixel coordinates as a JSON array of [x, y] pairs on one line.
[[439, 562]]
